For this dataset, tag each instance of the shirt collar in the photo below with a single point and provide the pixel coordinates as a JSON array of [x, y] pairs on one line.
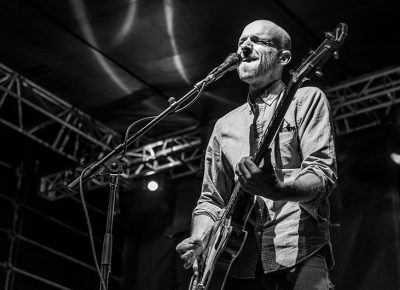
[[268, 96]]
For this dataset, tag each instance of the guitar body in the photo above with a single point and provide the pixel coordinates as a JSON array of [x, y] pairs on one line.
[[227, 239]]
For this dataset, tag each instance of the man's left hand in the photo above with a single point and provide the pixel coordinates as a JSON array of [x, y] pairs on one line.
[[258, 181]]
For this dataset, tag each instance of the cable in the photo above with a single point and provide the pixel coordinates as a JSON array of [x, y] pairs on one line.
[[127, 134], [90, 227], [152, 117], [194, 99]]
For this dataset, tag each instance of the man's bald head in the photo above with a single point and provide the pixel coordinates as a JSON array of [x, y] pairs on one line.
[[279, 36]]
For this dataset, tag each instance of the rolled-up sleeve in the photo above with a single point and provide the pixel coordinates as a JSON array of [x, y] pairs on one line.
[[316, 136], [216, 185]]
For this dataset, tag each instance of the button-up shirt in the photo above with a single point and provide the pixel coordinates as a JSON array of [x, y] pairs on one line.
[[285, 233]]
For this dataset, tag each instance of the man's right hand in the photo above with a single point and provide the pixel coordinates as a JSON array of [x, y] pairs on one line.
[[190, 249]]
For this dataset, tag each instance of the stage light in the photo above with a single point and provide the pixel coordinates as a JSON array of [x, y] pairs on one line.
[[395, 158], [152, 185]]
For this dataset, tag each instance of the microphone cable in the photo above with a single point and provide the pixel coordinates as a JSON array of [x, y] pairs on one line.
[[89, 225]]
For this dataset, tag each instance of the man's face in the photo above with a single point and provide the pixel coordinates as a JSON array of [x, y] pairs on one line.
[[257, 45]]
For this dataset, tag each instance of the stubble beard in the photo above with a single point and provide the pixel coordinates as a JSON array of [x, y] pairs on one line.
[[250, 74]]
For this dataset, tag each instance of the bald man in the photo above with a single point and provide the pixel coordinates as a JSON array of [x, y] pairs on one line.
[[288, 246]]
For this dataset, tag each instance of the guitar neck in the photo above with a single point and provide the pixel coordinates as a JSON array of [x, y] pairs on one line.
[[276, 121]]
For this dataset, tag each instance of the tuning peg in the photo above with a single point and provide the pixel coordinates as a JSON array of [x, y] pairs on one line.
[[328, 35], [318, 72], [291, 72], [310, 52], [336, 54], [171, 101]]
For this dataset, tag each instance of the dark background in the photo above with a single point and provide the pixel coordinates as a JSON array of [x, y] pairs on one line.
[[120, 61]]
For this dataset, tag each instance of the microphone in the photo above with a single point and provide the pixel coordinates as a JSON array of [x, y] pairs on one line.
[[230, 63]]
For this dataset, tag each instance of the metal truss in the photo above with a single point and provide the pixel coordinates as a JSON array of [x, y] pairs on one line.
[[19, 240], [179, 151], [178, 156], [356, 104], [50, 121], [364, 101]]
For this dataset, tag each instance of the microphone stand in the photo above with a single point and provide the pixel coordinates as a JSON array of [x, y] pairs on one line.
[[113, 165]]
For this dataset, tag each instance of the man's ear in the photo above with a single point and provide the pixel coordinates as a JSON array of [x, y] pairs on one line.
[[285, 57]]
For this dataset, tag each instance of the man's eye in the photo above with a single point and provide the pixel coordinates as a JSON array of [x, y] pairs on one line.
[[265, 42]]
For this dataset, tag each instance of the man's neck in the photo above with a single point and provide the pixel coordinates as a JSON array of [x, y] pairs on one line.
[[256, 90]]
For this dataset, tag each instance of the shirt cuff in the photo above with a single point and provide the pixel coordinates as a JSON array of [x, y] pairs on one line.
[[208, 209]]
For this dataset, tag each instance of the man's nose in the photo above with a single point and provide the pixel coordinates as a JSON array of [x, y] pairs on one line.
[[247, 46]]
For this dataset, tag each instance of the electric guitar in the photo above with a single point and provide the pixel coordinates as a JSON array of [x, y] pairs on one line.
[[228, 235]]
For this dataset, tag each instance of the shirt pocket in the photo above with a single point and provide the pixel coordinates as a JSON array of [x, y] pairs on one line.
[[286, 151], [286, 137]]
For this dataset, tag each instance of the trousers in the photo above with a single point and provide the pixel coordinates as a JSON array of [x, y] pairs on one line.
[[312, 274]]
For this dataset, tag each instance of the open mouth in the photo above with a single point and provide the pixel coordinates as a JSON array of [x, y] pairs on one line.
[[249, 59]]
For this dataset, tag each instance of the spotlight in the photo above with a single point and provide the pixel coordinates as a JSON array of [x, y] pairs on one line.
[[395, 158], [152, 185]]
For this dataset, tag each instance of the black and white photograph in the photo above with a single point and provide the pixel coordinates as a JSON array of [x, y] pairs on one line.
[[199, 145]]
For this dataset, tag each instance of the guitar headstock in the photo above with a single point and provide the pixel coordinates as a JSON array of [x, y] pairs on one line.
[[330, 46]]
